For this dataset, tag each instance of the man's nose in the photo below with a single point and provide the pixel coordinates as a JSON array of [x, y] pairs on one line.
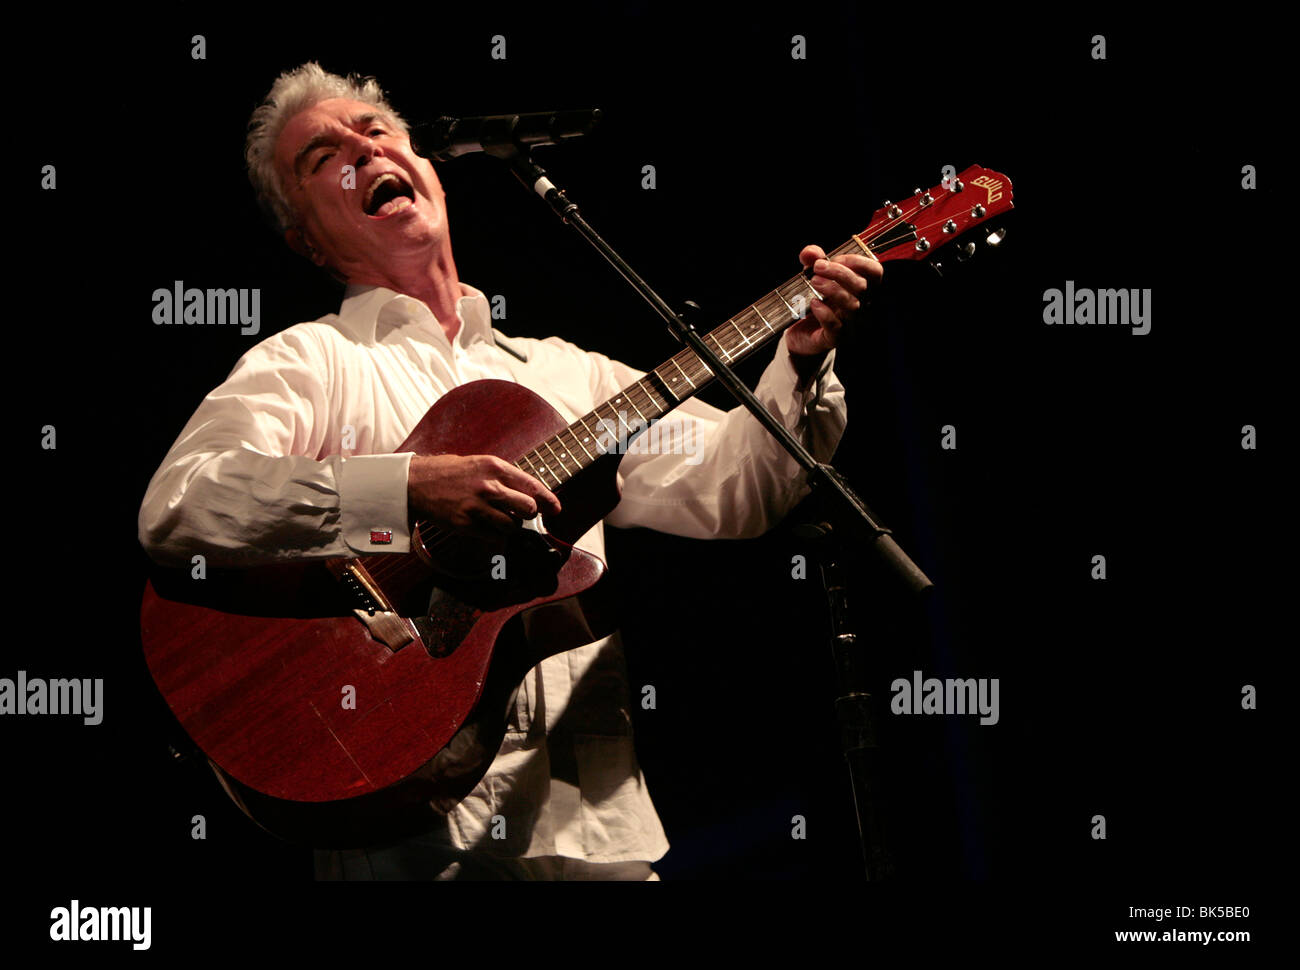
[[366, 149]]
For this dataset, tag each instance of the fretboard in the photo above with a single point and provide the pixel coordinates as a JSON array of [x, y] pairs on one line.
[[631, 411]]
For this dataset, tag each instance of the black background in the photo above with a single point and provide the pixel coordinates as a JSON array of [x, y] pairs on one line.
[[1120, 697]]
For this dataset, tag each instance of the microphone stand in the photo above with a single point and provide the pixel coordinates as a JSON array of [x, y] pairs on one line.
[[853, 521]]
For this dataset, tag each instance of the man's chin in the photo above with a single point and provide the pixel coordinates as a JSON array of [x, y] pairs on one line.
[[404, 240]]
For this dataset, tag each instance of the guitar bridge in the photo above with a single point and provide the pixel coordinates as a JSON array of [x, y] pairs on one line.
[[375, 612]]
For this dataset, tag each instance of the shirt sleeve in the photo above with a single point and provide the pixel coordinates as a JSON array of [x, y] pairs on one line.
[[239, 485], [719, 474]]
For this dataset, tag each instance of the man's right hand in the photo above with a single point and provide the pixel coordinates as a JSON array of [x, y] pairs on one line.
[[475, 494]]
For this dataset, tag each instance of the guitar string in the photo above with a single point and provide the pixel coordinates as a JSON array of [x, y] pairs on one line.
[[389, 566]]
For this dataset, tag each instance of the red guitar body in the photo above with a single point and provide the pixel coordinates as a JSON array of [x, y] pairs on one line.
[[258, 664]]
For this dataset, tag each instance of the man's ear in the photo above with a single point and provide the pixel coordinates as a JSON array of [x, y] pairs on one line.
[[299, 243]]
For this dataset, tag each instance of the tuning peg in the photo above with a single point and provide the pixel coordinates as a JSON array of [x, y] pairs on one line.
[[995, 236], [937, 267], [965, 251]]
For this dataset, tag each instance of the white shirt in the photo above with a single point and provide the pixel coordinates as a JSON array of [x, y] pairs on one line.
[[260, 474]]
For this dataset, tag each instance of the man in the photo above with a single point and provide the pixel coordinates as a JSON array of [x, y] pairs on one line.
[[292, 457]]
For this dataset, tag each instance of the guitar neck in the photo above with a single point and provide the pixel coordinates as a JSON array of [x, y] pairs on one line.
[[562, 456], [913, 230]]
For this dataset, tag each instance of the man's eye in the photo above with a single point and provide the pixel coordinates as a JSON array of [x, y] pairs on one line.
[[376, 131], [321, 161]]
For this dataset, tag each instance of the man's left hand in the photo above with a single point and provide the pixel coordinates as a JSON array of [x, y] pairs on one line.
[[841, 281]]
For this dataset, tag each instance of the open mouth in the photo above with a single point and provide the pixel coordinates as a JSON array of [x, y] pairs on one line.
[[387, 194]]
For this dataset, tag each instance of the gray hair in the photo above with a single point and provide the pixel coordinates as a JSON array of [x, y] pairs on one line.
[[295, 91]]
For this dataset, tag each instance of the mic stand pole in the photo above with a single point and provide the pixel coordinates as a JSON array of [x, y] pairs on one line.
[[855, 520], [854, 710]]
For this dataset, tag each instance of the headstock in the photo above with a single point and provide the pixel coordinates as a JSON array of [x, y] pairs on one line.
[[928, 221]]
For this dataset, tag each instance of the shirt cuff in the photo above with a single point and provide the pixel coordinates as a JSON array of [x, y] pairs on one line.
[[373, 503], [785, 387]]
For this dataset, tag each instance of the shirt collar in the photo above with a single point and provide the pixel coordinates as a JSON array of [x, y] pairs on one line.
[[373, 312]]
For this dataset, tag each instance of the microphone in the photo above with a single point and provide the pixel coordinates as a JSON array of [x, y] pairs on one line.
[[500, 135]]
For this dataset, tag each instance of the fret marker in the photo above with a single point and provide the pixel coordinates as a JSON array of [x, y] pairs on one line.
[[682, 372]]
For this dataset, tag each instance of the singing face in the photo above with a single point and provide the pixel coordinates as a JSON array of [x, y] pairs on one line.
[[366, 203]]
